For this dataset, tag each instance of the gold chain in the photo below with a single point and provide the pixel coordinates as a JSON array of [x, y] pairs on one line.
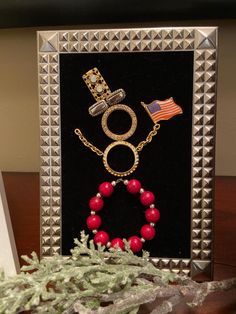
[[87, 143], [140, 146]]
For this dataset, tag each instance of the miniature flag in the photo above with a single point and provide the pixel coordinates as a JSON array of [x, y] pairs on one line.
[[162, 109]]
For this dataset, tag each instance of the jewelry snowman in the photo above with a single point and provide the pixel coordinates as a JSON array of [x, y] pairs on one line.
[[106, 103]]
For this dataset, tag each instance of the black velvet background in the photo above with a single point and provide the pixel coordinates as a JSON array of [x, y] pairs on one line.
[[165, 163]]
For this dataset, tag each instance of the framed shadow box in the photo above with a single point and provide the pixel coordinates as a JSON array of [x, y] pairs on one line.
[[177, 165]]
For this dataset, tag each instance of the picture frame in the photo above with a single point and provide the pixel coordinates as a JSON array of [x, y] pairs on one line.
[[179, 55], [9, 260]]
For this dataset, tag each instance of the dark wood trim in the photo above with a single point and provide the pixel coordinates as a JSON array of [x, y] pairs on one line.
[[23, 196]]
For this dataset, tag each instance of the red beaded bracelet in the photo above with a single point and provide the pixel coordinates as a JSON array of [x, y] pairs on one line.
[[147, 231]]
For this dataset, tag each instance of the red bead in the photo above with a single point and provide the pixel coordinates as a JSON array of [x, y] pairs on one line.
[[148, 232], [96, 203], [152, 214], [135, 243], [106, 189], [147, 198], [118, 242], [94, 222], [133, 186], [101, 237]]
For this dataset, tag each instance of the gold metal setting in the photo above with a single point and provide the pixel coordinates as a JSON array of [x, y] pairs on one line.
[[98, 108], [120, 173], [124, 136], [96, 84], [139, 147]]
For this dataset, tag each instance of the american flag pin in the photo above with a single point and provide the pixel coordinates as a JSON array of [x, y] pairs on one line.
[[162, 109]]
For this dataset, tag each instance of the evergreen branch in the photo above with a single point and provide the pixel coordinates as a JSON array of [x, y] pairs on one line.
[[93, 281]]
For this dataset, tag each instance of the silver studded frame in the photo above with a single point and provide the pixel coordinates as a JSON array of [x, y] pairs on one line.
[[203, 42]]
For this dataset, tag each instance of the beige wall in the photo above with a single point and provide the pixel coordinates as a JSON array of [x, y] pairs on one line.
[[19, 117], [226, 102], [19, 122]]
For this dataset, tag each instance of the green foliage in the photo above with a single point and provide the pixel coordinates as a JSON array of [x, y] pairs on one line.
[[89, 278]]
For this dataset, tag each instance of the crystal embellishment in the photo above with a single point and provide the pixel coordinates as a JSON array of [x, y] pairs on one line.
[[99, 88], [93, 78]]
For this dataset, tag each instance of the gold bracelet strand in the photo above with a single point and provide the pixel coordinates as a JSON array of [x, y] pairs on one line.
[[140, 146], [87, 143]]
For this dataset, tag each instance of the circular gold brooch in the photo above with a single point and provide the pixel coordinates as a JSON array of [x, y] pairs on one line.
[[120, 173], [124, 136]]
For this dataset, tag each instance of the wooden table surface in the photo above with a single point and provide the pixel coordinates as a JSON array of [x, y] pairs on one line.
[[22, 190]]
